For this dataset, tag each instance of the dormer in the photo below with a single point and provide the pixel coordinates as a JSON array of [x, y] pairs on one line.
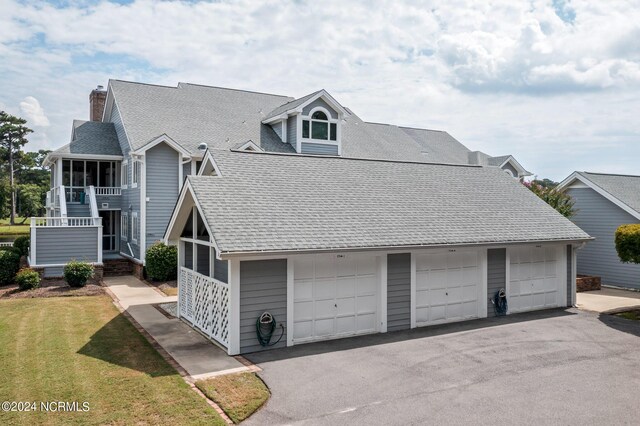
[[311, 124]]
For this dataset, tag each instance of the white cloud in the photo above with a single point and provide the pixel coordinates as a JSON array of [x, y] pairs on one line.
[[34, 113], [505, 77]]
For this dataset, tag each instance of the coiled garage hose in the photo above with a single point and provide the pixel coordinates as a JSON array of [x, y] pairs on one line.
[[500, 302], [265, 327]]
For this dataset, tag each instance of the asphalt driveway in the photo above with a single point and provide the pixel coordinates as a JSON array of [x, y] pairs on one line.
[[553, 367]]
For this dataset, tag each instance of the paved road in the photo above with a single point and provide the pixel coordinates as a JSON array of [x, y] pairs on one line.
[[553, 367]]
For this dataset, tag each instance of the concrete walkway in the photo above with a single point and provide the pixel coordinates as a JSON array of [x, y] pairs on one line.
[[608, 300], [198, 356]]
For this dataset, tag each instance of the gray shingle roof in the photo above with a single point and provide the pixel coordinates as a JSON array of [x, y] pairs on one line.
[[92, 137], [191, 114], [280, 202], [497, 161], [223, 118], [291, 105], [625, 188]]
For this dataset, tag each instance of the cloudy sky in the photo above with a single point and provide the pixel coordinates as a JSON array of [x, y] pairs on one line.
[[555, 83]]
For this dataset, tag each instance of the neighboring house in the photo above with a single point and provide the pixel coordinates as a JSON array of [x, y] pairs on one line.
[[115, 184], [603, 203], [297, 207]]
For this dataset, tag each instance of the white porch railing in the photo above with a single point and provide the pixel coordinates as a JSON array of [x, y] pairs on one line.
[[108, 190], [93, 203], [65, 221], [6, 244], [204, 302]]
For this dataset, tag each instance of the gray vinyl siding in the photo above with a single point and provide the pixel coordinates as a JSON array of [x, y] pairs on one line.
[[53, 271], [496, 276], [58, 245], [600, 218], [319, 148], [278, 129], [569, 275], [130, 198], [292, 131], [78, 210], [263, 287], [398, 291], [162, 189], [186, 171], [509, 167], [221, 270], [319, 103], [114, 202]]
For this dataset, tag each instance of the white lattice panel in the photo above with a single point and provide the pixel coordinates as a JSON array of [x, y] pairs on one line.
[[204, 302]]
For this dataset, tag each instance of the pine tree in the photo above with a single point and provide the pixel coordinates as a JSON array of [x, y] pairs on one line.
[[13, 136]]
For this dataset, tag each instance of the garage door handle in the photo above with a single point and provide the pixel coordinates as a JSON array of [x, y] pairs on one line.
[[336, 305]]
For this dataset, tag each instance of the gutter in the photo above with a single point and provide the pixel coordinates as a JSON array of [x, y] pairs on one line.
[[231, 254]]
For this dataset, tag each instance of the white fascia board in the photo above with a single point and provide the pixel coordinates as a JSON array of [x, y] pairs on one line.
[[275, 119], [186, 188], [328, 99], [160, 139], [52, 156], [521, 170], [208, 159], [250, 144], [577, 176]]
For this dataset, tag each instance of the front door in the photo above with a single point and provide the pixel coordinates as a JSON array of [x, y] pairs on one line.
[[109, 231]]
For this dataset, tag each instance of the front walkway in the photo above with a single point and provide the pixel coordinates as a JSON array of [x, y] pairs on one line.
[[608, 300], [198, 356]]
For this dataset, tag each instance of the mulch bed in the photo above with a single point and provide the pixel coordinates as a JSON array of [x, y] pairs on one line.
[[50, 288]]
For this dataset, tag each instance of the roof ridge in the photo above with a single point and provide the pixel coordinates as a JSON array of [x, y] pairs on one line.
[[404, 127], [235, 90], [610, 174], [378, 160]]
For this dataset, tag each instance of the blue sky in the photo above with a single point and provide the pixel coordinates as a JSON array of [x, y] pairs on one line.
[[555, 83]]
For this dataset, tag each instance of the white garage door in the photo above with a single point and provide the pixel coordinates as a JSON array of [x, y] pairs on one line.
[[448, 286], [535, 278], [334, 296]]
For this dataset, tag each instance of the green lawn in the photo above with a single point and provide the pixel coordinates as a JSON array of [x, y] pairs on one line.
[[6, 229], [239, 395], [82, 349]]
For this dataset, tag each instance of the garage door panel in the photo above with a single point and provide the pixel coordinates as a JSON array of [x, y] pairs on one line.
[[302, 329], [366, 323], [422, 280], [437, 278], [454, 295], [304, 290], [469, 276], [438, 297], [324, 308], [346, 287], [470, 309], [345, 306], [324, 289], [422, 298], [324, 327], [367, 285], [367, 304], [303, 311], [335, 295], [454, 277], [535, 281], [469, 293], [454, 311], [437, 313]]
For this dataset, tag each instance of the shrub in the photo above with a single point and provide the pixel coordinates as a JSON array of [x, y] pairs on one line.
[[21, 244], [27, 279], [162, 262], [9, 265], [627, 239], [560, 201], [77, 273]]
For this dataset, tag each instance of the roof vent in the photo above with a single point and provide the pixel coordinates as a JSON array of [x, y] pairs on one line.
[[100, 87], [202, 147]]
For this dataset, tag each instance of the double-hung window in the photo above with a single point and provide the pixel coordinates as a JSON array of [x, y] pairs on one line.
[[124, 175], [135, 227], [135, 178], [124, 226]]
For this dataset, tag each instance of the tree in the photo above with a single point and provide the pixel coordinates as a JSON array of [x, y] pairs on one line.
[[560, 201], [627, 239], [30, 200], [545, 183], [13, 136]]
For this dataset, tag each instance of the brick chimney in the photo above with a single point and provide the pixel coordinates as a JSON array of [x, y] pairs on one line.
[[96, 103]]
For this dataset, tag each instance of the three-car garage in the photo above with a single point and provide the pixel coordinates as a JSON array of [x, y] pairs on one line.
[[337, 295]]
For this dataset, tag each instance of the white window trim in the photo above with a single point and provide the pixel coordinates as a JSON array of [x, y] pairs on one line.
[[329, 121], [136, 174], [124, 226], [135, 225], [124, 175]]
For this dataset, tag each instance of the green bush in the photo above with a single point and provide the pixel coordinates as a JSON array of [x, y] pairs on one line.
[[627, 239], [27, 279], [21, 244], [162, 262], [77, 273], [9, 265]]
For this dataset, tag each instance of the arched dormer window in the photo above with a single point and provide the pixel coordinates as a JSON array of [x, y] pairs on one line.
[[320, 126]]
